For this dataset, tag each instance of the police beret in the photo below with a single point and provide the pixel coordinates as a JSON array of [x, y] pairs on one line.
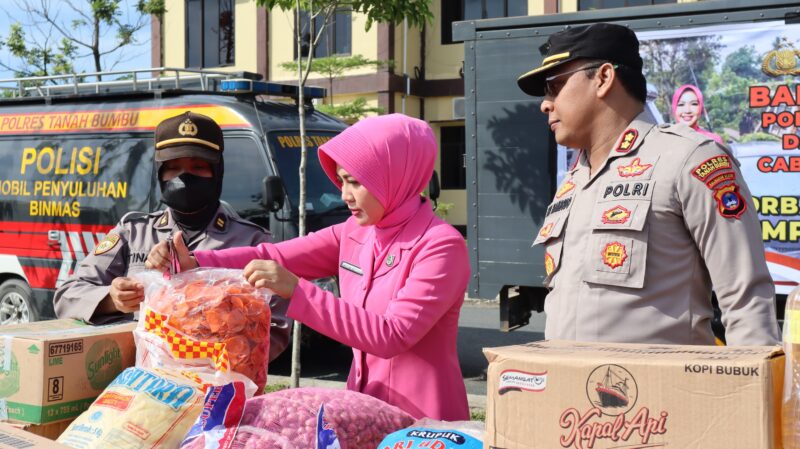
[[604, 41], [189, 135]]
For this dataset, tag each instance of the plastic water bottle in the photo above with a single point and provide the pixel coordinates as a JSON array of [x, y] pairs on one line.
[[791, 382]]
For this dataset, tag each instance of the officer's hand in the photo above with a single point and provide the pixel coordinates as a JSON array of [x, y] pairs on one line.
[[159, 258], [126, 294], [268, 274]]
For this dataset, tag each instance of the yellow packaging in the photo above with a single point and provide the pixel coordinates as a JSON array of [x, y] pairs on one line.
[[140, 409]]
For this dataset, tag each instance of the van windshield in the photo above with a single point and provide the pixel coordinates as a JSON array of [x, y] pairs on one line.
[[321, 194]]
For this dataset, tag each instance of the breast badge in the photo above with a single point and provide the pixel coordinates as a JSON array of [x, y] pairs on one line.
[[565, 189], [635, 168], [616, 215], [546, 230], [549, 263], [614, 254]]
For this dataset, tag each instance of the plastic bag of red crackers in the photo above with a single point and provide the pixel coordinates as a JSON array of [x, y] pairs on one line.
[[209, 321]]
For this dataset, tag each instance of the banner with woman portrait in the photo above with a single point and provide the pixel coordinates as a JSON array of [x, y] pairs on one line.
[[738, 84]]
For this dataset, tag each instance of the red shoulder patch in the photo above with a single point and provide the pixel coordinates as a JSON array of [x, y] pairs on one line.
[[711, 166]]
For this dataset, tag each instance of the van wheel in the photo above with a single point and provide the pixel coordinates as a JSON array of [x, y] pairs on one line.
[[16, 302]]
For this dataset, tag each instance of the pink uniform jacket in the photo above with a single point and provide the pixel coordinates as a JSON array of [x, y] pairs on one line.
[[399, 314]]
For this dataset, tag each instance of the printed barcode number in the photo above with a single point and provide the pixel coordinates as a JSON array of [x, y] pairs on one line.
[[9, 440]]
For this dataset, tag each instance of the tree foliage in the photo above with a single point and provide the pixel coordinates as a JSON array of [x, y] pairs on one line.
[[417, 12], [669, 63], [48, 44], [350, 112]]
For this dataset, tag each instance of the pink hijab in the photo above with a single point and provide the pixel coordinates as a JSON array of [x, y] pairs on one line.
[[392, 156], [677, 96]]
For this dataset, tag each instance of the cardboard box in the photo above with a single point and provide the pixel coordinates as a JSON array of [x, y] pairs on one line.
[[13, 438], [557, 394], [53, 370], [50, 431]]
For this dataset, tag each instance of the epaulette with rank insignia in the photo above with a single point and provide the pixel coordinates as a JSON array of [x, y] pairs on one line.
[[220, 222]]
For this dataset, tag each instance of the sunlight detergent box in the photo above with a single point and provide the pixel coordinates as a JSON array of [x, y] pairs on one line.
[[53, 370], [558, 394]]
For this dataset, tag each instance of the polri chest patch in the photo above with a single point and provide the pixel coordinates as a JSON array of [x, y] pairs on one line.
[[632, 190]]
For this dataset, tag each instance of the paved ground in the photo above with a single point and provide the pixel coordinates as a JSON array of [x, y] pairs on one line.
[[327, 363]]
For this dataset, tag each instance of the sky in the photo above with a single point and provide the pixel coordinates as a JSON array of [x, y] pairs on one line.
[[130, 57]]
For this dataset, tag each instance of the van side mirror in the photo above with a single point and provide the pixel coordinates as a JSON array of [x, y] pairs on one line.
[[272, 196], [433, 187]]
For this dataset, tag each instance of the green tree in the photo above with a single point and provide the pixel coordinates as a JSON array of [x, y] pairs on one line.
[[415, 12], [670, 63], [48, 45], [334, 67]]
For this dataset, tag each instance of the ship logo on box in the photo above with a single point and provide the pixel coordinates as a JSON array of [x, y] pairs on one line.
[[612, 389], [515, 380]]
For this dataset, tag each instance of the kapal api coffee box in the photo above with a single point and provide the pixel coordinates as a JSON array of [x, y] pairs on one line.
[[53, 370], [559, 394]]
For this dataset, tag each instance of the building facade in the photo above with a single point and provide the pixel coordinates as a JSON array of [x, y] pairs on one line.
[[425, 79]]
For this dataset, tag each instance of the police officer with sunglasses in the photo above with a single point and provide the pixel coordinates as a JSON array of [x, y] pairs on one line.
[[650, 218]]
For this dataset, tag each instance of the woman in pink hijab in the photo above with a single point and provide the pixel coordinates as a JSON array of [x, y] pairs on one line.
[[687, 105], [402, 271]]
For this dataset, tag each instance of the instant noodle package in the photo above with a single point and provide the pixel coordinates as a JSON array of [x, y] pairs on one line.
[[210, 321], [140, 409]]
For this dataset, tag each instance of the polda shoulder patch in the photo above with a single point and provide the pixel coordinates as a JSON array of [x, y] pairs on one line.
[[628, 139], [107, 244], [730, 202]]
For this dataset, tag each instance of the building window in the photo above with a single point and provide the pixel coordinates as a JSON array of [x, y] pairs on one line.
[[453, 147], [456, 10], [584, 5], [336, 36], [210, 38]]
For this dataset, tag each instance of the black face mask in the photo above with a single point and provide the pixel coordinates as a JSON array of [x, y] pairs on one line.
[[194, 199]]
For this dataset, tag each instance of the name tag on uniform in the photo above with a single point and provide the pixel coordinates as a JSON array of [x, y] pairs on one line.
[[352, 268]]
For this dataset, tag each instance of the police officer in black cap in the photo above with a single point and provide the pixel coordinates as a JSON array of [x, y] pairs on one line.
[[649, 218], [188, 155]]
